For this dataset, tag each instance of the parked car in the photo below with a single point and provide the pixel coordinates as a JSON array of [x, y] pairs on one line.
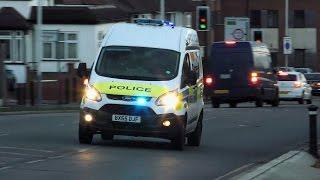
[[314, 80], [293, 86], [240, 72], [11, 80], [303, 70]]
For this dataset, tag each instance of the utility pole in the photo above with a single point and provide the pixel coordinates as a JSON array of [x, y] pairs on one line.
[[3, 79], [162, 9], [286, 28], [39, 51]]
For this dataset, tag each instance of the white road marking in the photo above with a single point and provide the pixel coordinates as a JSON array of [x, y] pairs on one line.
[[4, 168], [35, 161], [82, 150], [27, 149], [19, 154], [234, 171], [55, 157]]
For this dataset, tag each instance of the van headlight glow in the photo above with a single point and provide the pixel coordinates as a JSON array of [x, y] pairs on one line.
[[170, 99], [92, 94]]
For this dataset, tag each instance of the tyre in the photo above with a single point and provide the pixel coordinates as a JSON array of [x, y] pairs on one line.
[[179, 140], [215, 105], [107, 136], [85, 137], [194, 138], [275, 103], [309, 101], [233, 105], [301, 101], [259, 103]]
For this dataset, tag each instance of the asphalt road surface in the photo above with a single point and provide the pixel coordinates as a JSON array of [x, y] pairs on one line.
[[45, 146]]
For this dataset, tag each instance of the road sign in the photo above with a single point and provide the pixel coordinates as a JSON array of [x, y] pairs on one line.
[[287, 45], [236, 29]]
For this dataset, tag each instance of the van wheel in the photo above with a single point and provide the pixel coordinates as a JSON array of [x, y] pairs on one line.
[[215, 105], [259, 103], [301, 101], [194, 138], [309, 101], [85, 137], [179, 141], [275, 103], [107, 136], [233, 105]]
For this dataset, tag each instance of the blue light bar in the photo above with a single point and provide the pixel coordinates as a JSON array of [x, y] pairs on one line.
[[154, 22]]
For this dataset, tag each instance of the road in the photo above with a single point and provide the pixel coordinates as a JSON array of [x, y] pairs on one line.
[[45, 146]]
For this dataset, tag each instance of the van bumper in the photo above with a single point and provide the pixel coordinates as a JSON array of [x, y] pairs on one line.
[[235, 95], [150, 126]]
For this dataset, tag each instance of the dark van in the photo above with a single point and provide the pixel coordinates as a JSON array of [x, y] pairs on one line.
[[240, 72]]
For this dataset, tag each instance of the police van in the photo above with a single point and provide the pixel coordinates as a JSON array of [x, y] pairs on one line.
[[146, 81]]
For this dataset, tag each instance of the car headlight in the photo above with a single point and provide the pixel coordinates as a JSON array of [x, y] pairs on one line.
[[170, 99], [92, 94]]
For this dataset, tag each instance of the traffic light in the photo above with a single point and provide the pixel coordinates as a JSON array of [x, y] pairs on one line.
[[203, 18]]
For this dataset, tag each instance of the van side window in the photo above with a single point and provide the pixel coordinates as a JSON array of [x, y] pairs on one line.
[[195, 63], [262, 60], [186, 70]]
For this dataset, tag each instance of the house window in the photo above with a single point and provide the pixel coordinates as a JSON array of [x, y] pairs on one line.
[[60, 45], [14, 45], [272, 19], [255, 16], [187, 20], [299, 19]]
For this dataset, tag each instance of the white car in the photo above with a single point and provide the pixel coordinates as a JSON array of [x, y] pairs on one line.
[[293, 86]]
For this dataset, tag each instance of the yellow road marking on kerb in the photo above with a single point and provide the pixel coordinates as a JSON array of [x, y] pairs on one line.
[[130, 89]]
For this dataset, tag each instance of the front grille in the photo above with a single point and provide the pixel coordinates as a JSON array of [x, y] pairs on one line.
[[127, 110], [127, 98]]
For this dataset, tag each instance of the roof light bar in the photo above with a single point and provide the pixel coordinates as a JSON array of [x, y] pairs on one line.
[[154, 22]]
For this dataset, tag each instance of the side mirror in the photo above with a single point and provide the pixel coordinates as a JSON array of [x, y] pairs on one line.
[[82, 70]]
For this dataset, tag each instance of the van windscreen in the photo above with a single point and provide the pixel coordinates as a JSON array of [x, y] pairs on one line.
[[236, 60], [138, 63]]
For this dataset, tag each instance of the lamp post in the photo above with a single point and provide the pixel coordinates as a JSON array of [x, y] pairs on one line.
[[39, 51], [162, 9], [286, 27]]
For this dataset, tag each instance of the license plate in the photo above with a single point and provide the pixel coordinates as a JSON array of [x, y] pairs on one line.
[[284, 92], [221, 91], [126, 118], [225, 76]]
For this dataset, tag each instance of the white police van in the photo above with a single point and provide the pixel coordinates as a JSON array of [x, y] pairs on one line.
[[146, 81]]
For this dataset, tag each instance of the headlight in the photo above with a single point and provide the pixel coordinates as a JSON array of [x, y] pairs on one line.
[[170, 99], [92, 94]]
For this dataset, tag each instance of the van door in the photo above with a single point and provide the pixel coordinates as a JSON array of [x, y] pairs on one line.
[[262, 61], [189, 92]]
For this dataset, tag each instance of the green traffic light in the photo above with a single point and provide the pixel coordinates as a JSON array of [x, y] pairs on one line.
[[203, 26]]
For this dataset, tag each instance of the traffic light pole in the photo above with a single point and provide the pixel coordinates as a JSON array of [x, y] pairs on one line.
[[286, 28], [3, 81], [162, 9]]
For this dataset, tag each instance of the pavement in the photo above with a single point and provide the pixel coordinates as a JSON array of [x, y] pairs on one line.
[[235, 140], [44, 108], [294, 165]]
